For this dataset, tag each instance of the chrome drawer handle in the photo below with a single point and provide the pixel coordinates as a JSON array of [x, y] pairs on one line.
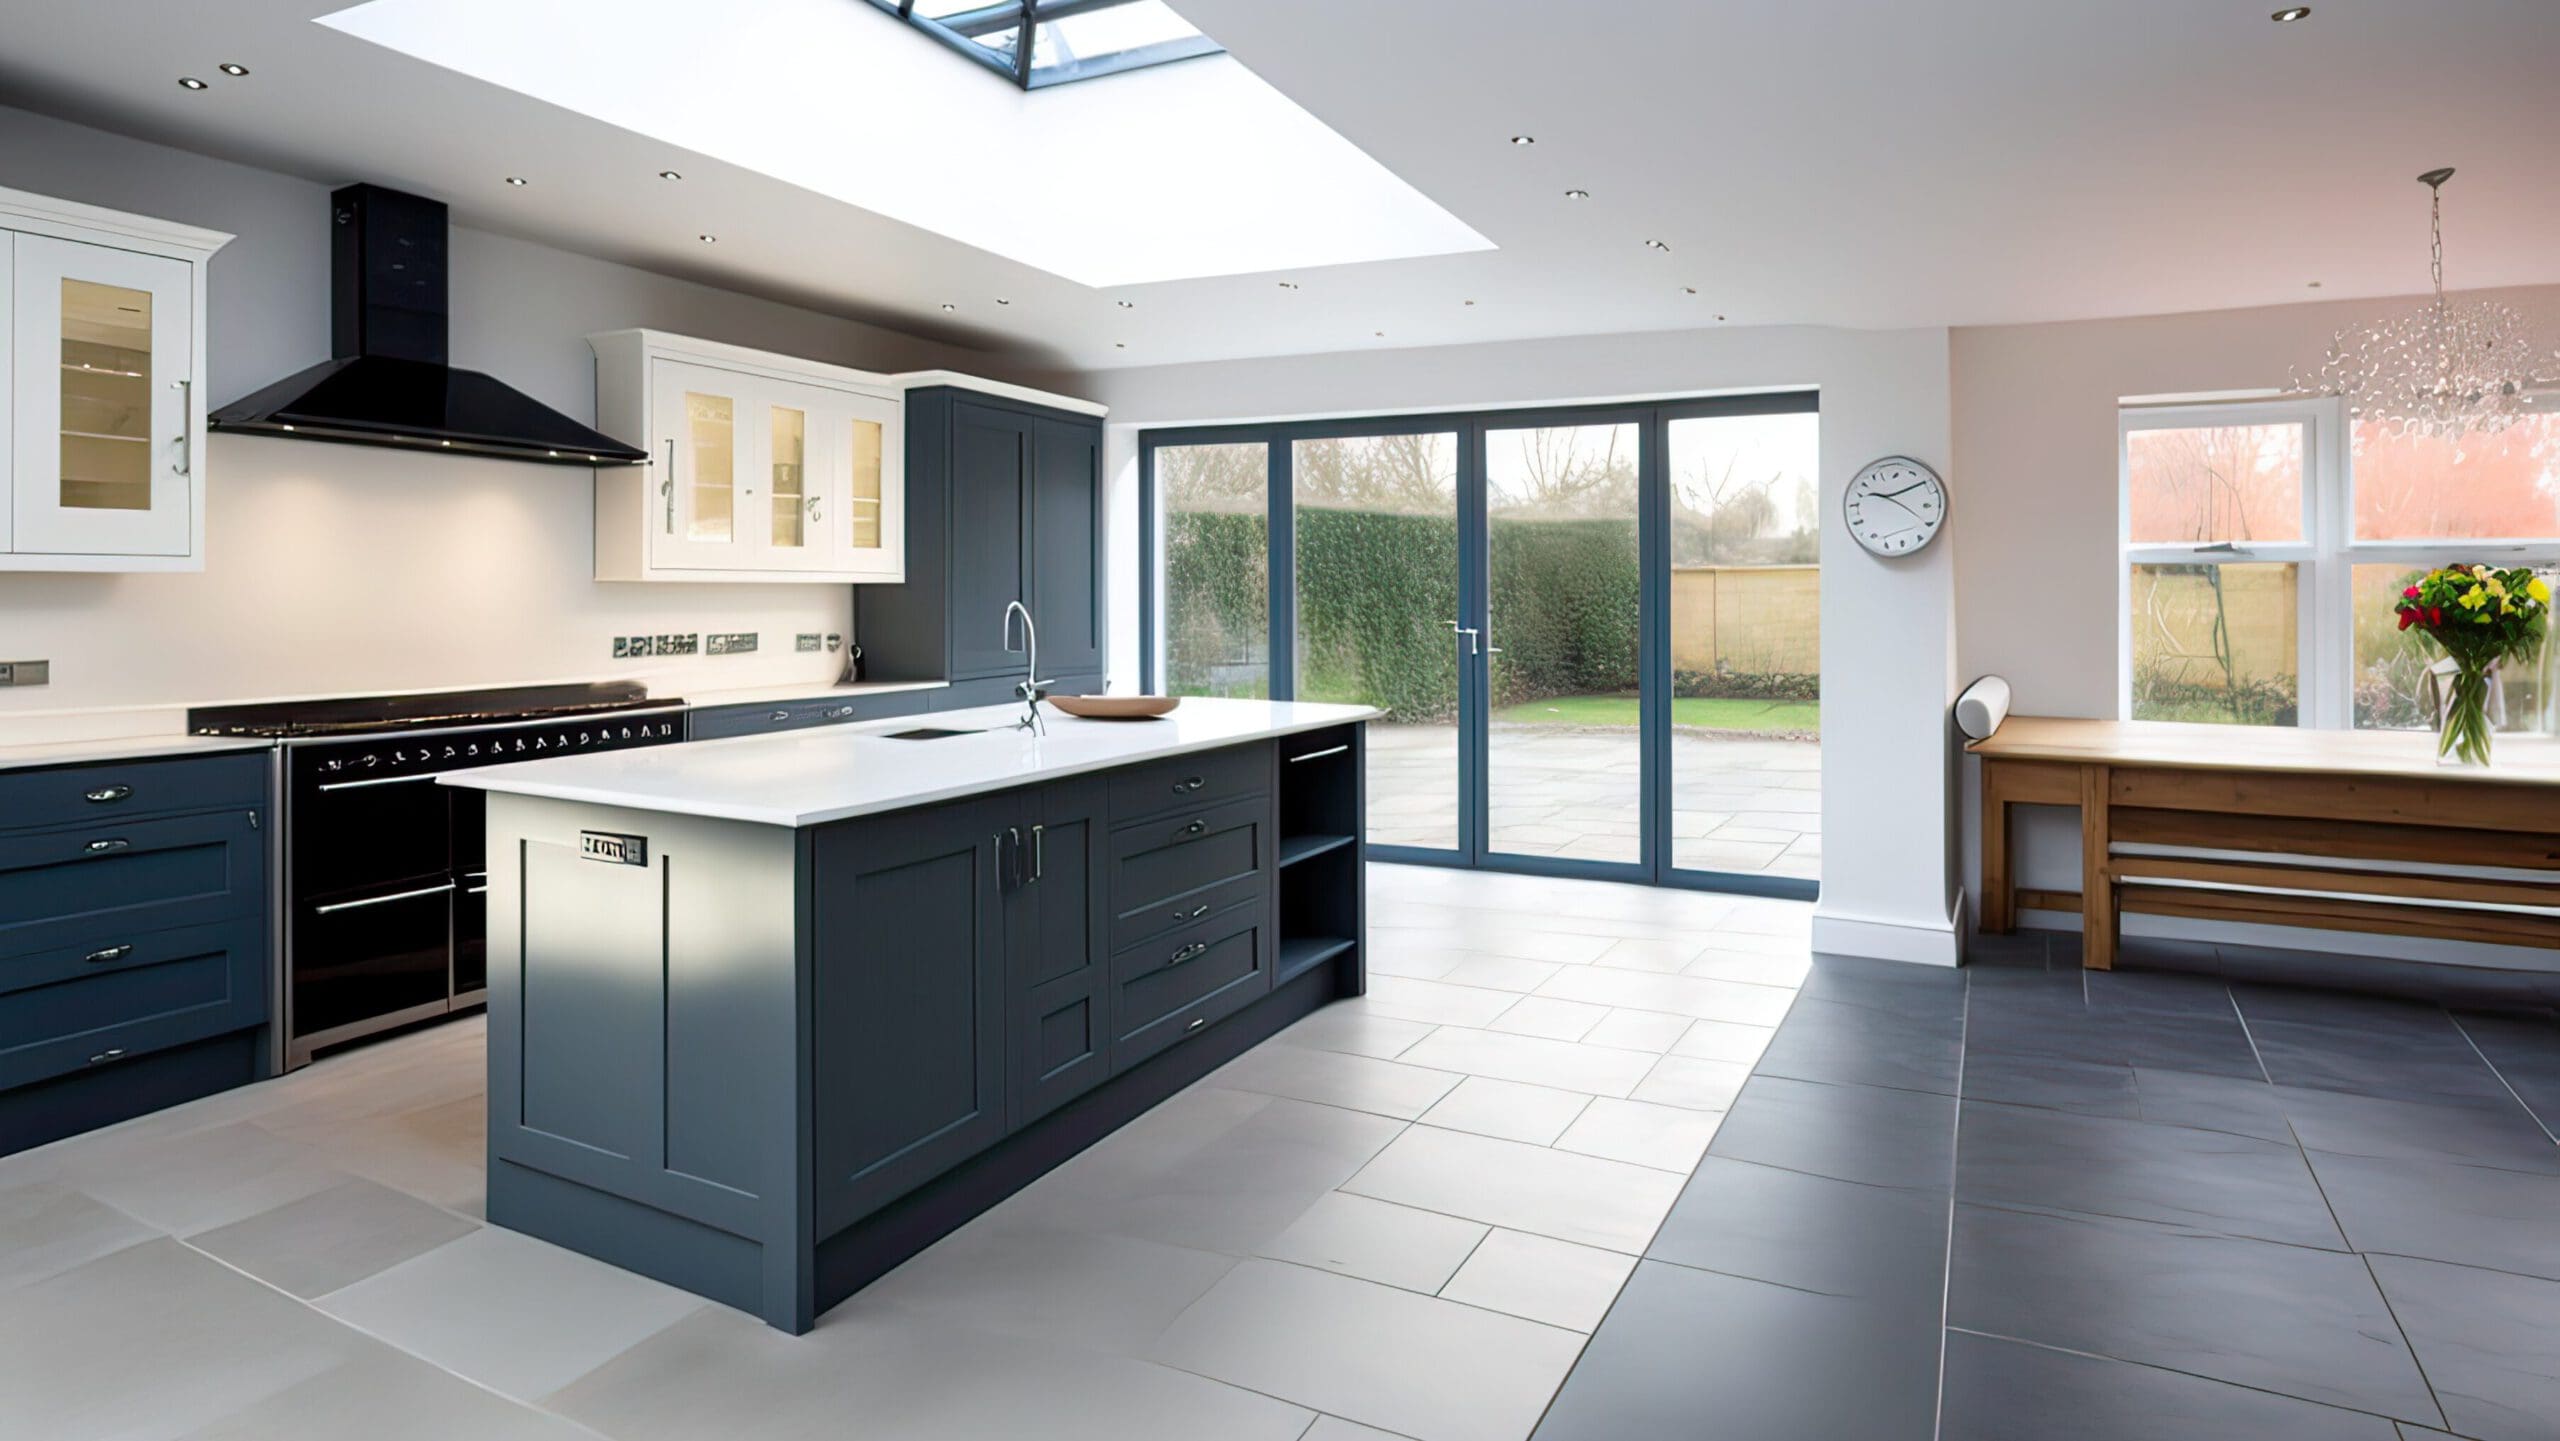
[[104, 794], [100, 848], [841, 712], [779, 716], [1319, 755], [1191, 952], [1196, 828], [1193, 784], [337, 906], [111, 953], [1192, 915], [1196, 1023], [116, 1053]]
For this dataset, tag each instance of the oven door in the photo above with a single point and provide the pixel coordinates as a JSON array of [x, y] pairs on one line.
[[367, 833], [370, 960]]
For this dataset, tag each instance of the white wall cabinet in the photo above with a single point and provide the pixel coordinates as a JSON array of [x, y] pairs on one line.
[[102, 345], [761, 467]]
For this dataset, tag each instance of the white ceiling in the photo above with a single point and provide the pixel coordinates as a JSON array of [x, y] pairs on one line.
[[1853, 162]]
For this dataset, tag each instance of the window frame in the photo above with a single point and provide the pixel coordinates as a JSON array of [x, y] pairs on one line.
[[2327, 556]]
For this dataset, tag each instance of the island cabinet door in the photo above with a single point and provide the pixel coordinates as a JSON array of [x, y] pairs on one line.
[[1056, 929], [908, 974]]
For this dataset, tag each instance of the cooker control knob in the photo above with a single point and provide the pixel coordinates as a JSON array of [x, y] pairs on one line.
[[370, 761]]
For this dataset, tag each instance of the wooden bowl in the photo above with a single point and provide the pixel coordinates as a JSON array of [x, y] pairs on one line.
[[1115, 707]]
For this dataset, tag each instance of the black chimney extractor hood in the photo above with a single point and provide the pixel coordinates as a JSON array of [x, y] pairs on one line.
[[389, 383]]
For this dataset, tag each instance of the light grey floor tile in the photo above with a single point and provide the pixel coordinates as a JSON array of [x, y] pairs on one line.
[[1754, 968], [1652, 1031], [514, 1314], [1501, 973], [1334, 1428], [1701, 999], [1109, 1293], [1555, 1020], [1338, 1078], [1378, 1241], [1411, 960], [1437, 1002], [1665, 956], [1692, 1083], [207, 1178], [1564, 1065], [1362, 1033], [331, 1238], [382, 1394], [1423, 1367], [1511, 1110], [47, 1228], [1556, 1282], [1723, 1041], [152, 1340], [1525, 1188], [1667, 1138]]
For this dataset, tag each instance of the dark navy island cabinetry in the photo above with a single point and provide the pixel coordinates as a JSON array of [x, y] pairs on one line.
[[767, 1057], [1004, 503], [133, 938]]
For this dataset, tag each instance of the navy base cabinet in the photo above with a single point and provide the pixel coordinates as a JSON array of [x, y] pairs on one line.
[[134, 954], [768, 1064]]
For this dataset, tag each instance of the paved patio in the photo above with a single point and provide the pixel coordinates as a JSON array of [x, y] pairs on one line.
[[1739, 803]]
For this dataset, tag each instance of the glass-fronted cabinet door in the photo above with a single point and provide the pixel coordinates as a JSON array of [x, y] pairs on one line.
[[103, 437], [802, 470], [874, 525], [706, 449]]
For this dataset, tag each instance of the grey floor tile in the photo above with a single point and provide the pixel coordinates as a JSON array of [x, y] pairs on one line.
[[1541, 1279], [1109, 1293], [1690, 1354], [1667, 1138], [1838, 1238], [2002, 1390], [2404, 1050], [1570, 1197], [2505, 1220], [47, 1228], [1338, 1078], [1346, 1028], [2244, 1106], [1872, 1134], [2485, 1340], [1531, 1060], [512, 1313], [2098, 1165], [2087, 1088], [1513, 1110], [2300, 1322], [2171, 1040], [332, 1238], [184, 1184], [1334, 1428], [152, 1340], [1692, 1083], [1423, 1367], [2506, 1136], [1377, 1241], [382, 1394], [2524, 1047], [1847, 1043]]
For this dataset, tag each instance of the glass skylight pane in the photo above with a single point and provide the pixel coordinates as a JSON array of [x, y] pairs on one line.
[[1114, 37]]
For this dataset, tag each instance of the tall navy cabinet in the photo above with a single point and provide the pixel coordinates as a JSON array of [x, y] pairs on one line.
[[1004, 503]]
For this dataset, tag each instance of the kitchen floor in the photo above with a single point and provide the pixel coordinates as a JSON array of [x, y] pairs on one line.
[[2218, 1210]]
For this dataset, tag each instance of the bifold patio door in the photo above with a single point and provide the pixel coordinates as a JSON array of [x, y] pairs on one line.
[[1594, 630]]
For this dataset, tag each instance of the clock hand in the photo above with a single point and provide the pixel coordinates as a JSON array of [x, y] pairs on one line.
[[1915, 515], [1890, 494]]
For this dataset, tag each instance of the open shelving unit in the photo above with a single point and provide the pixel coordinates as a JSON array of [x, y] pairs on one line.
[[1323, 918]]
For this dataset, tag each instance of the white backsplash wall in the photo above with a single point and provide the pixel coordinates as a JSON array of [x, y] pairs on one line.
[[335, 569]]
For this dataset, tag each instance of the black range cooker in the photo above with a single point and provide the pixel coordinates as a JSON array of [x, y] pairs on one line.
[[384, 881]]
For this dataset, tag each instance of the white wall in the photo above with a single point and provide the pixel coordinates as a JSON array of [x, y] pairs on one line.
[[1888, 628], [2036, 498], [334, 568]]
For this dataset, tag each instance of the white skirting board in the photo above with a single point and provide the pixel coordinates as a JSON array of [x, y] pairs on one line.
[[1925, 945]]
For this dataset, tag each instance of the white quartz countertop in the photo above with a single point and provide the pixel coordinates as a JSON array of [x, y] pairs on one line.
[[122, 748], [833, 773], [805, 690]]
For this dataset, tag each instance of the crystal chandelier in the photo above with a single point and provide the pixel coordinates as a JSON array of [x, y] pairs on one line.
[[2452, 368]]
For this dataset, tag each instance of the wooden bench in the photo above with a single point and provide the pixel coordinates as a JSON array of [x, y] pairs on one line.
[[2304, 800]]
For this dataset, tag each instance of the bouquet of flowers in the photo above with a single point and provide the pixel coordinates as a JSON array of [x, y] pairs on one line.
[[2479, 616]]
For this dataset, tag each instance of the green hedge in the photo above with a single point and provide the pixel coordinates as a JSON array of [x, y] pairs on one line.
[[1376, 591]]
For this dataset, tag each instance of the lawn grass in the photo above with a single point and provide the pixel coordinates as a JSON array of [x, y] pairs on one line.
[[1740, 717]]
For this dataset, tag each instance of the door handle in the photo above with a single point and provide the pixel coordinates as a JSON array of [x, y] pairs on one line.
[[102, 847], [1193, 784], [338, 906], [778, 717], [376, 781], [1196, 1023], [1039, 852], [185, 464], [667, 485], [105, 794], [1194, 913], [115, 1053], [1472, 636], [812, 504], [1191, 952], [1196, 828], [111, 953]]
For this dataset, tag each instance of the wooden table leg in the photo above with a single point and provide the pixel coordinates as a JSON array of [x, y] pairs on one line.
[[2097, 884], [1999, 888]]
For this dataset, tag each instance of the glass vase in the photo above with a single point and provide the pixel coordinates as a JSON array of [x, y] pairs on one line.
[[2462, 715]]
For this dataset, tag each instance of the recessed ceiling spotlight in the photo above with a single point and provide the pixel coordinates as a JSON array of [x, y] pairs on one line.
[[1524, 139], [1119, 345], [235, 71], [1126, 304], [518, 181], [1688, 290], [1381, 334], [1288, 285], [2315, 285], [708, 239], [1577, 195], [1470, 302], [947, 305], [671, 175], [1000, 300], [1719, 317], [1657, 245], [2290, 13], [190, 82]]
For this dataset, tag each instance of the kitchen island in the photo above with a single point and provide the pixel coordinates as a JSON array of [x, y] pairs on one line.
[[769, 1015]]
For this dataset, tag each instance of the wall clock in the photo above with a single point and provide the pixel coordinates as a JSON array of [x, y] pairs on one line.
[[1895, 506]]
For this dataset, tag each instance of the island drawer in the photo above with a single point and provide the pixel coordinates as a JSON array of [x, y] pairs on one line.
[[1175, 986], [1138, 923], [76, 795], [122, 877], [1187, 782], [1160, 861]]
